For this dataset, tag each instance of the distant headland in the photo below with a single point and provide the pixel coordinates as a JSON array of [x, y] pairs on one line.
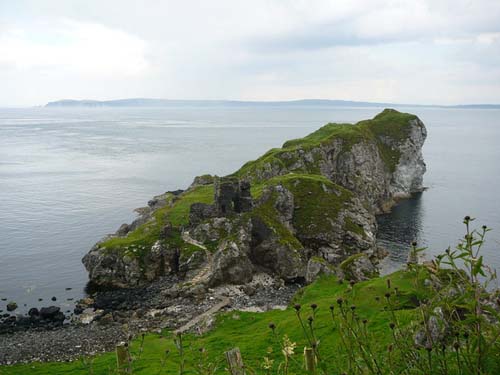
[[148, 102]]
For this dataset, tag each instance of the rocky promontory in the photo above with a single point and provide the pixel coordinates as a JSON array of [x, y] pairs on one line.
[[299, 211]]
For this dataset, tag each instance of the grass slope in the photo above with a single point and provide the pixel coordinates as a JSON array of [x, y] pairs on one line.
[[176, 212], [250, 332]]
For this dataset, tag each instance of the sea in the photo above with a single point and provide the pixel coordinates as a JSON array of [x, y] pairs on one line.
[[69, 176]]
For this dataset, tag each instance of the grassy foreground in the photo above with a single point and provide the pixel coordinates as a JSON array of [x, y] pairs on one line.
[[432, 318], [251, 333]]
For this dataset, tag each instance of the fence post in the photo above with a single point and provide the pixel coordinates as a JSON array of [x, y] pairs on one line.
[[235, 362], [122, 358], [309, 361]]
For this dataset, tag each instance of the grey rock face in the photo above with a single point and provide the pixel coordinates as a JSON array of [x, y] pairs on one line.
[[316, 267], [115, 269], [358, 267], [408, 176], [231, 196], [231, 265]]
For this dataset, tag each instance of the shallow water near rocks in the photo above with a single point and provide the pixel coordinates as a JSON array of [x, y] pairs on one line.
[[70, 176]]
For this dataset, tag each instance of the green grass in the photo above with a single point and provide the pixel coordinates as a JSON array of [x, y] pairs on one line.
[[317, 202], [139, 242], [250, 332]]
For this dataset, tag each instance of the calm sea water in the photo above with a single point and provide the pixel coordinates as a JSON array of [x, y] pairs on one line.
[[70, 176]]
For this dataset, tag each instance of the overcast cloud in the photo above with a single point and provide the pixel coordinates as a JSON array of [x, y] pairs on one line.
[[436, 51]]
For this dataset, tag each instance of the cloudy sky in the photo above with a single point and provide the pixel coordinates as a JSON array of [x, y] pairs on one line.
[[435, 51]]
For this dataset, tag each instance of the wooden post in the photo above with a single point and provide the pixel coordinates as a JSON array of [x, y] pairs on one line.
[[122, 358], [235, 362], [309, 361]]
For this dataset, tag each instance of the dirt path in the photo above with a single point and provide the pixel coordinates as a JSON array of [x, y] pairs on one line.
[[199, 318], [202, 275]]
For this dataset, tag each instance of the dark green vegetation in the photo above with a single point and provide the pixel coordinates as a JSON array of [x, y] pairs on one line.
[[436, 318], [317, 200]]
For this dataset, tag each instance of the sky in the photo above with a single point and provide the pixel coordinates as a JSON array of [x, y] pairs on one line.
[[400, 51]]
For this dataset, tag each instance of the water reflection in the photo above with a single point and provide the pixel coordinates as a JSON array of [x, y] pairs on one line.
[[398, 229]]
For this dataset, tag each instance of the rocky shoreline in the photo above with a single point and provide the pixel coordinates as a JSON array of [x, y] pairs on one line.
[[113, 316]]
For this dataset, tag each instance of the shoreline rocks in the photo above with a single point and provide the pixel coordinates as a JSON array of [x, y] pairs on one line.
[[118, 313]]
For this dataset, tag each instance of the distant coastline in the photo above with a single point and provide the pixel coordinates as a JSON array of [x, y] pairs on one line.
[[147, 102]]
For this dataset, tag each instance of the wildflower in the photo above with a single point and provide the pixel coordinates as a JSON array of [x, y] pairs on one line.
[[456, 345], [414, 244], [314, 306], [339, 301], [353, 307], [310, 319], [392, 325], [288, 347], [297, 307], [365, 321], [332, 307], [467, 218], [388, 295], [267, 364], [272, 326], [352, 283]]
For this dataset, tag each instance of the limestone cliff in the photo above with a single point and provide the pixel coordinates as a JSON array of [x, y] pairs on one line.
[[379, 159], [295, 213]]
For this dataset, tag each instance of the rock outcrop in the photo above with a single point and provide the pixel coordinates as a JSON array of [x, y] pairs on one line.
[[380, 160], [297, 212]]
